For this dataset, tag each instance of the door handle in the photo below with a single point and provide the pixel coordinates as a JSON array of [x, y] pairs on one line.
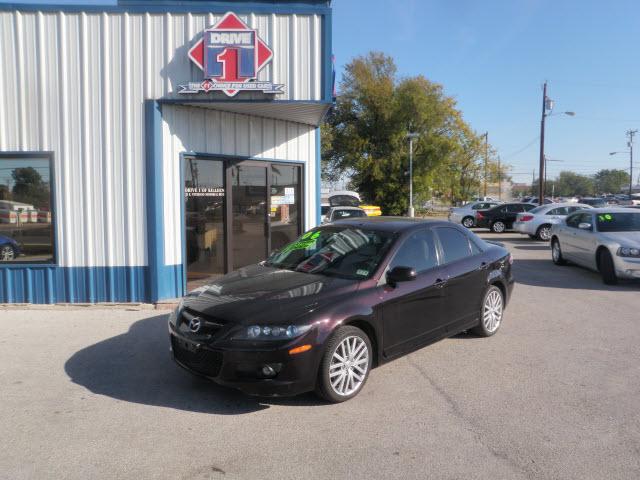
[[483, 266], [440, 283]]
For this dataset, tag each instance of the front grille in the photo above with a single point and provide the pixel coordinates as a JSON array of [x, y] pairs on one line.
[[203, 361]]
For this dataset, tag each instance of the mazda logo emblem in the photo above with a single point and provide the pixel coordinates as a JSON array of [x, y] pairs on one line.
[[195, 324]]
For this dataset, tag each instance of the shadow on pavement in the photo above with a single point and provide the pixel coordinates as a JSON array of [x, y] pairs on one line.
[[533, 247], [137, 367], [544, 273]]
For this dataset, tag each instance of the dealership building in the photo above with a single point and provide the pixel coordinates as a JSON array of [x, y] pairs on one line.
[[150, 146]]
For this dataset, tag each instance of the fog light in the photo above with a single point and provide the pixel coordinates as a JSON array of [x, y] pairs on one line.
[[268, 371]]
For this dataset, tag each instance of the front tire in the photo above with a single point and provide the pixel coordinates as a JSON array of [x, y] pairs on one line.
[[468, 222], [556, 253], [345, 365], [607, 269], [498, 226], [7, 253], [491, 313]]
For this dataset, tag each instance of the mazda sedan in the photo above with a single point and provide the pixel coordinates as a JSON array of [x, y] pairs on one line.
[[343, 298]]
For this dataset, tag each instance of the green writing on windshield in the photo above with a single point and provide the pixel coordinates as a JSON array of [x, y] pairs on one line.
[[306, 241], [605, 217]]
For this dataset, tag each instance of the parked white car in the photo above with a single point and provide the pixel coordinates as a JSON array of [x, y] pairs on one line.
[[466, 215], [537, 223], [606, 240]]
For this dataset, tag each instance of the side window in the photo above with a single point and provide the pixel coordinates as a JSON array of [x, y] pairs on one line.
[[26, 208], [573, 221], [477, 206], [558, 211], [514, 208], [585, 218], [455, 244], [417, 251], [503, 210]]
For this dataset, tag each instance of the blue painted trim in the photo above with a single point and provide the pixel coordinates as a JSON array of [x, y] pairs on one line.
[[173, 7], [327, 52], [53, 284], [318, 174]]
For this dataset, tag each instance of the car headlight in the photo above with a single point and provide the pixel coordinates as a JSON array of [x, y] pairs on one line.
[[271, 332], [629, 252]]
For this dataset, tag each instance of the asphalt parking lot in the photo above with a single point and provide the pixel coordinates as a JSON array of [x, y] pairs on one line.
[[90, 393]]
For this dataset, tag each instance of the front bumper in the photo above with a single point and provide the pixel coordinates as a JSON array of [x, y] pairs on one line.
[[241, 367], [627, 268]]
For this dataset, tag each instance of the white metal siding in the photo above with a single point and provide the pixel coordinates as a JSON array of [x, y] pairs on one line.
[[202, 130], [75, 84]]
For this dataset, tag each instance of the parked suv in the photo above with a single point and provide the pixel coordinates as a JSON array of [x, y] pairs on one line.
[[501, 218]]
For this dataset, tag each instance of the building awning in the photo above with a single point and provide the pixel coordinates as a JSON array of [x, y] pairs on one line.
[[309, 113]]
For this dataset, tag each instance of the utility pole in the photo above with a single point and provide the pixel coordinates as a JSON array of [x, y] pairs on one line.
[[499, 180], [486, 160], [541, 166], [630, 134]]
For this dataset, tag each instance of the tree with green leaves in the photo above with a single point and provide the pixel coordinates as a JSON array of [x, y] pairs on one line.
[[571, 183], [365, 137], [611, 181], [28, 187]]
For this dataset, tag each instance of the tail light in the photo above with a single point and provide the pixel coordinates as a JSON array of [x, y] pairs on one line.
[[526, 218], [479, 215]]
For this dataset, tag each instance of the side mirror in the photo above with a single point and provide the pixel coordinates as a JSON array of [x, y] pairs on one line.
[[584, 226], [400, 274]]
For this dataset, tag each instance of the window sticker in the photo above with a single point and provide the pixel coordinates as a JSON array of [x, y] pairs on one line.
[[362, 273], [306, 241], [605, 217]]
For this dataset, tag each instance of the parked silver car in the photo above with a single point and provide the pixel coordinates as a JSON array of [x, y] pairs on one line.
[[602, 239], [537, 223], [466, 215]]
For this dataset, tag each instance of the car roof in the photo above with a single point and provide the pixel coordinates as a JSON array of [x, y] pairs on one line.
[[391, 224], [608, 210], [345, 207]]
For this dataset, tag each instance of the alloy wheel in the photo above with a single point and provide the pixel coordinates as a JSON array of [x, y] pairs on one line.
[[492, 311], [6, 253], [545, 233], [349, 365], [498, 227], [468, 222]]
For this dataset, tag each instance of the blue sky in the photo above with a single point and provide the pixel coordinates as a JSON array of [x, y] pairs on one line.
[[493, 57]]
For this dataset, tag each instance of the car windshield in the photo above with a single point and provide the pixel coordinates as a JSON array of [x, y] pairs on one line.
[[618, 222], [347, 252]]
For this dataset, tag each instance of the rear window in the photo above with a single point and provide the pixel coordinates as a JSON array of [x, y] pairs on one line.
[[345, 213], [538, 209]]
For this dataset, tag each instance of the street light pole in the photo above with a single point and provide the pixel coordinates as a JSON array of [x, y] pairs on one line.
[[631, 133], [411, 136], [542, 170]]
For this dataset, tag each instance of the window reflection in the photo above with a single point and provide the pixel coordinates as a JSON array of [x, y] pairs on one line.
[[285, 205]]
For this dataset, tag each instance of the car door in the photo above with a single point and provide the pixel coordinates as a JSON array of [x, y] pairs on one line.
[[567, 236], [511, 213], [584, 242], [412, 312], [467, 277]]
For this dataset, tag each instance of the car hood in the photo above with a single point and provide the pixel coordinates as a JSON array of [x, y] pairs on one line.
[[266, 295], [629, 239]]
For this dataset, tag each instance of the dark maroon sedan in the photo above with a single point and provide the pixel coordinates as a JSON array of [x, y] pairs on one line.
[[343, 298]]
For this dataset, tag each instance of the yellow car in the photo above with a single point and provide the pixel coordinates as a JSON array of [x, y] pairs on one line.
[[372, 210]]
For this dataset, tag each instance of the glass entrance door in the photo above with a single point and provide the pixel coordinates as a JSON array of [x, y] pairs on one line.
[[249, 215], [204, 197]]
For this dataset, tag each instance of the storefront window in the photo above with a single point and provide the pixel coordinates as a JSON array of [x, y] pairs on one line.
[[26, 228], [285, 205]]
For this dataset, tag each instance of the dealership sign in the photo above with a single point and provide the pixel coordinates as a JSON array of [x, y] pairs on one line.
[[231, 55]]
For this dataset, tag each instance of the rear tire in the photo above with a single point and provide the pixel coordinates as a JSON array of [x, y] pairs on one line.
[[607, 269], [345, 365], [498, 226], [544, 233], [491, 313], [556, 253], [468, 222]]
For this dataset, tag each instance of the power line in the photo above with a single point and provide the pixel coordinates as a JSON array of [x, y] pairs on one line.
[[528, 145]]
